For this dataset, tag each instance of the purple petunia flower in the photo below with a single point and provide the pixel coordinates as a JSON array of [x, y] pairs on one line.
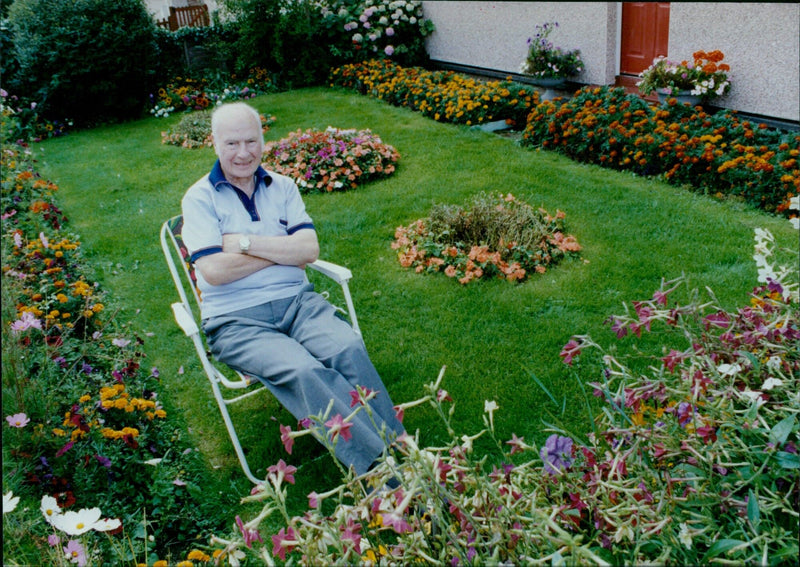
[[556, 453]]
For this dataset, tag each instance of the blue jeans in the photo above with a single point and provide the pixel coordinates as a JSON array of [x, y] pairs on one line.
[[307, 356]]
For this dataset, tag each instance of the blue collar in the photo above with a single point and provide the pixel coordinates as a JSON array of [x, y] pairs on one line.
[[217, 177]]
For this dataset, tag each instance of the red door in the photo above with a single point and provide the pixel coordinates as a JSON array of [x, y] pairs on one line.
[[645, 35]]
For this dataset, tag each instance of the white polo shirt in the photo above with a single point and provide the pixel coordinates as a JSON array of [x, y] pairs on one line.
[[213, 207]]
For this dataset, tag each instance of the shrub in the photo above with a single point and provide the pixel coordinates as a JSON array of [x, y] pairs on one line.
[[194, 130], [694, 459], [497, 236], [333, 160], [363, 30], [444, 96], [716, 154], [87, 60]]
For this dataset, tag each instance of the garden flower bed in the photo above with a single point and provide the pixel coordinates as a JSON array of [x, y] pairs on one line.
[[496, 237], [693, 459], [194, 130], [444, 96], [333, 160], [716, 154], [85, 430]]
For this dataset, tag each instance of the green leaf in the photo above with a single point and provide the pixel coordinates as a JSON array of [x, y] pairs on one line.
[[788, 460], [753, 512], [780, 433], [721, 546]]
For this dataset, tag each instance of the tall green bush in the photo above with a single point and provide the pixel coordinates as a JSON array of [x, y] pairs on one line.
[[88, 60]]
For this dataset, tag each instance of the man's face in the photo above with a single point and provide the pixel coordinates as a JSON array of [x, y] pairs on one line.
[[239, 146]]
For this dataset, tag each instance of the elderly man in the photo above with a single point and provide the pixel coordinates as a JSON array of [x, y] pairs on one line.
[[250, 238]]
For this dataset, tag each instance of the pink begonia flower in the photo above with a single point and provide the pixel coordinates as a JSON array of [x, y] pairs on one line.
[[27, 321], [337, 426], [389, 50], [17, 238], [282, 542], [75, 552], [18, 420], [249, 535], [282, 471], [389, 32], [43, 238], [286, 438]]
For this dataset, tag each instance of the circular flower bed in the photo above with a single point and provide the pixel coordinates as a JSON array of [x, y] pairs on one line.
[[499, 236], [333, 160], [194, 130]]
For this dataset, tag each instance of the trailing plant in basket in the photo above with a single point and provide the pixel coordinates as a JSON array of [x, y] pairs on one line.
[[497, 236], [331, 160]]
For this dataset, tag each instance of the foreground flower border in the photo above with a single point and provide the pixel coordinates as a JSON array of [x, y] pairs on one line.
[[691, 461]]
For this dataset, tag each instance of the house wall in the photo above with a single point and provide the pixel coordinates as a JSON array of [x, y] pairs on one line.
[[760, 42]]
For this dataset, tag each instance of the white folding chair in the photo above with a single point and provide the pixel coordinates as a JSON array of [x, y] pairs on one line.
[[187, 315]]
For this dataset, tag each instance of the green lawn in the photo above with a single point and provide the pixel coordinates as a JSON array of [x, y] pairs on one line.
[[119, 183]]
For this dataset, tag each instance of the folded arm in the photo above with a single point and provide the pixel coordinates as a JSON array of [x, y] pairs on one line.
[[231, 264]]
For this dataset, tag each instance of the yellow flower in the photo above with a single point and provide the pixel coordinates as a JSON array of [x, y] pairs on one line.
[[197, 555], [84, 398], [59, 432]]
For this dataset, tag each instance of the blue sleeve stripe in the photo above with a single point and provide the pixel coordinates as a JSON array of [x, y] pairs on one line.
[[301, 227], [205, 252]]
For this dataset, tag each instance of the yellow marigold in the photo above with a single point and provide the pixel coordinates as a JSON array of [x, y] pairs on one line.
[[197, 555], [161, 413], [120, 403], [161, 563], [132, 431], [59, 432], [84, 398]]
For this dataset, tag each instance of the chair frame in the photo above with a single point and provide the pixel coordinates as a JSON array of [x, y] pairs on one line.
[[187, 316]]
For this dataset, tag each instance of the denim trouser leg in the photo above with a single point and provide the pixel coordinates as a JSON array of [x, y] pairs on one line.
[[307, 356]]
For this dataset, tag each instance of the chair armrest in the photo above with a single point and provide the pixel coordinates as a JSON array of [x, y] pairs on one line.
[[184, 319], [337, 273]]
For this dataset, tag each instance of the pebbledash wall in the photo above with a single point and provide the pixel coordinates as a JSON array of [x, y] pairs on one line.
[[761, 43]]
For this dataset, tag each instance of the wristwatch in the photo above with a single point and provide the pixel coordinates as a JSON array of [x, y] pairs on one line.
[[244, 244]]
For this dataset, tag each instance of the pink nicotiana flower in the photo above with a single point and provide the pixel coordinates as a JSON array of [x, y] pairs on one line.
[[338, 426], [283, 542], [286, 438], [570, 351], [281, 472], [249, 535]]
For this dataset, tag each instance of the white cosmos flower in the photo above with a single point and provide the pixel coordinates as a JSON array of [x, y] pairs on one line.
[[77, 523], [107, 525], [9, 502], [50, 508]]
